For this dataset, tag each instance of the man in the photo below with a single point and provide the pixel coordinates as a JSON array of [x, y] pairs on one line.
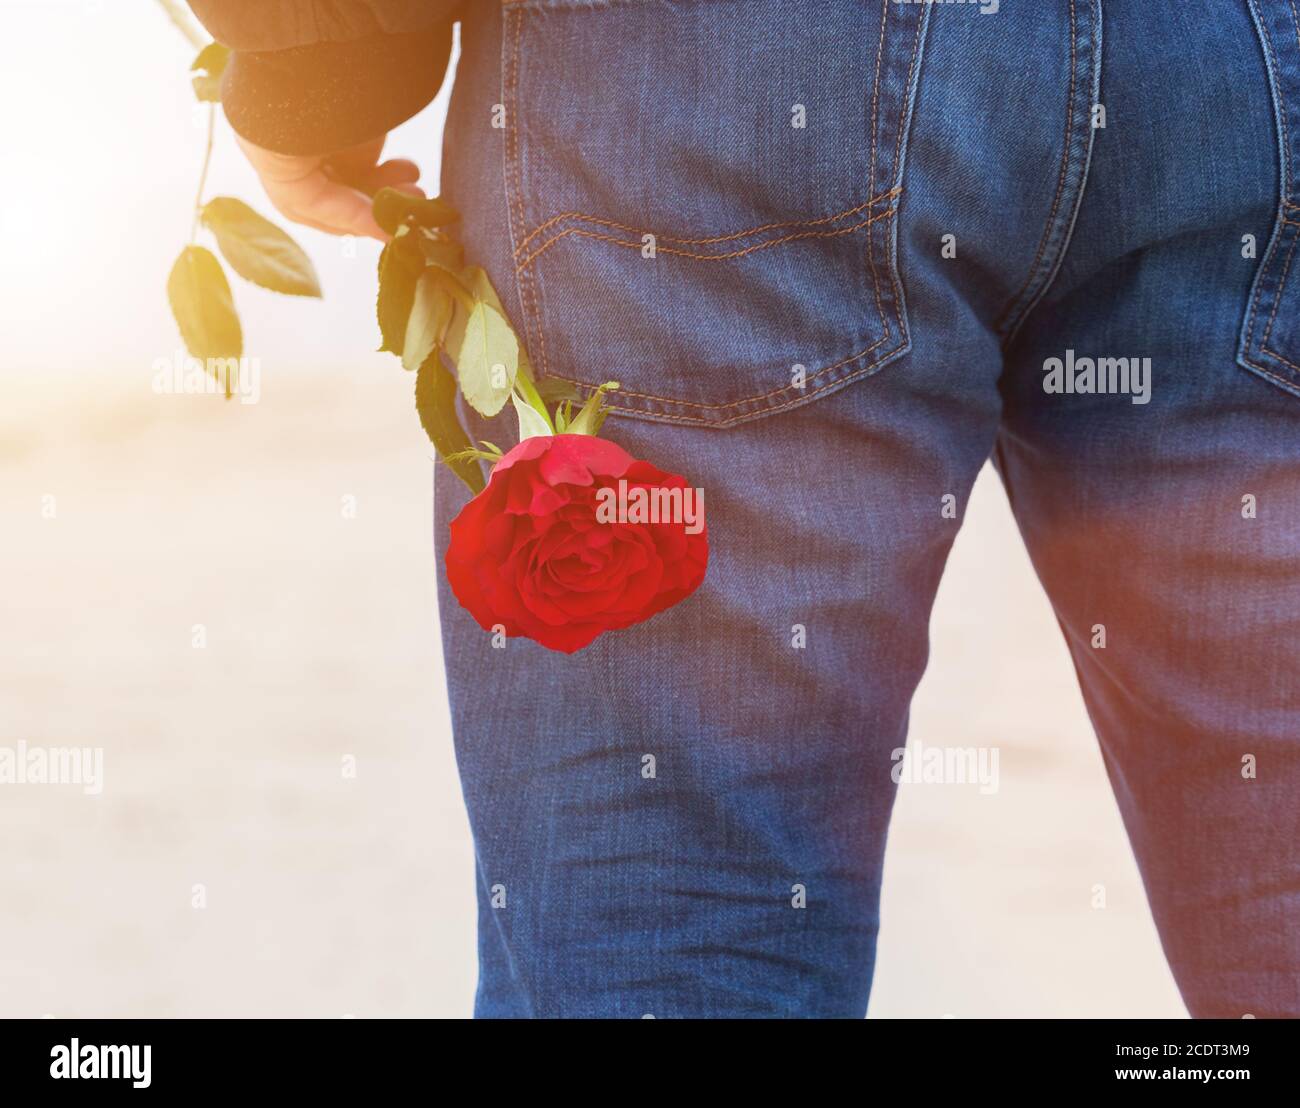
[[838, 255]]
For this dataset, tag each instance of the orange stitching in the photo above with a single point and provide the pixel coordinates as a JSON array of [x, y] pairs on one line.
[[792, 402], [750, 400], [1275, 354], [1278, 357], [744, 400], [907, 89], [703, 257], [1286, 153], [898, 153], [1281, 286], [704, 242], [1259, 291], [534, 292], [1290, 168], [1287, 205], [892, 193], [871, 170], [527, 293], [511, 145]]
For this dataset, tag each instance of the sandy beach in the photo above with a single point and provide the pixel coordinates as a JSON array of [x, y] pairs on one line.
[[236, 604], [326, 895]]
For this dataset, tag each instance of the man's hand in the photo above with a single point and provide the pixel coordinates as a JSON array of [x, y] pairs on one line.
[[332, 193]]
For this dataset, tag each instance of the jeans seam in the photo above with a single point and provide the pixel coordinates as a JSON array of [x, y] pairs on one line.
[[1251, 350], [1281, 288], [584, 217], [1061, 175], [1047, 262], [527, 277], [904, 122], [527, 262], [734, 403], [794, 401], [871, 168]]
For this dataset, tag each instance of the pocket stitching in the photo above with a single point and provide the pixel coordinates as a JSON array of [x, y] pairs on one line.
[[748, 233], [1249, 346], [524, 273], [1277, 298], [514, 166], [871, 171], [794, 401], [1008, 314], [735, 403], [903, 122], [703, 257]]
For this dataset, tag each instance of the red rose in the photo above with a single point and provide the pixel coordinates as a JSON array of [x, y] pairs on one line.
[[572, 537]]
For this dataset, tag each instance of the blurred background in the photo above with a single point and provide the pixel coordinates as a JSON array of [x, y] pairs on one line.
[[293, 538]]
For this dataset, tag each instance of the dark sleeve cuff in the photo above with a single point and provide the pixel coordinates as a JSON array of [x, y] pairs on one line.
[[328, 96]]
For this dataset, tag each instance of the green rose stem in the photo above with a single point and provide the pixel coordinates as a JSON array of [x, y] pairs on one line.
[[414, 272], [524, 382], [255, 248], [203, 173], [181, 21]]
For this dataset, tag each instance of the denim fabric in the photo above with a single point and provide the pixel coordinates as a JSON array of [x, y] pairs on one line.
[[607, 893]]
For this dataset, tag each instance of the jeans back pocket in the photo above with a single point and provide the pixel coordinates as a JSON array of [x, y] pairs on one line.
[[1270, 336], [703, 196]]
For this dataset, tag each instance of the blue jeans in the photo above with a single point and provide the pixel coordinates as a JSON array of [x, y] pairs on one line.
[[839, 255]]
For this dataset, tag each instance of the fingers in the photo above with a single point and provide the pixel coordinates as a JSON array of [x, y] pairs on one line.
[[357, 161], [332, 194], [326, 205], [271, 166], [400, 170], [358, 166], [398, 173]]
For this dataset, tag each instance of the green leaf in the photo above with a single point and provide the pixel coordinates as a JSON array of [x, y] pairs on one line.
[[200, 300], [453, 285], [443, 252], [528, 393], [473, 455], [480, 286], [455, 340], [392, 209], [555, 389], [435, 401], [207, 69], [589, 420], [427, 325], [488, 361], [400, 267], [471, 286], [531, 422], [258, 250]]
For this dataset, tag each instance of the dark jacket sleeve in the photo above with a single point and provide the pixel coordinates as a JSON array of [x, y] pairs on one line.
[[316, 76]]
